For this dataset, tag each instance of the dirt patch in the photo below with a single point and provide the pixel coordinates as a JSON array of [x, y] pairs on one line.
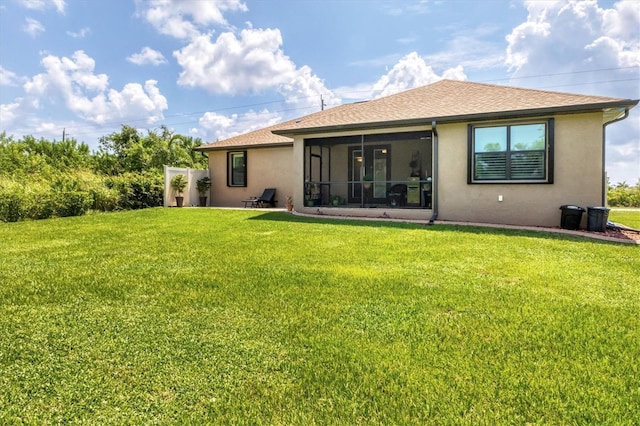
[[623, 234], [628, 235]]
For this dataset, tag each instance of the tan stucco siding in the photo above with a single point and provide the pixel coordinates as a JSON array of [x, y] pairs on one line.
[[577, 171], [577, 176], [266, 168]]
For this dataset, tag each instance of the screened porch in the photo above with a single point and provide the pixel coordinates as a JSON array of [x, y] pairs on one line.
[[391, 170]]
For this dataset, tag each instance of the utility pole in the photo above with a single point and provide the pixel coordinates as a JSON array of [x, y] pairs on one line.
[[322, 104], [64, 134]]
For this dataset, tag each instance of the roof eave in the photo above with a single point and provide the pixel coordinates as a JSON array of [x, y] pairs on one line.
[[534, 112], [212, 147]]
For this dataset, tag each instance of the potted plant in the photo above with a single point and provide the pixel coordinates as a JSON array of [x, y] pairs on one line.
[[289, 203], [179, 183], [203, 185], [312, 194]]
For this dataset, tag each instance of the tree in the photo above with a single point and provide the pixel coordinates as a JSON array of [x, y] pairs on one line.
[[130, 151]]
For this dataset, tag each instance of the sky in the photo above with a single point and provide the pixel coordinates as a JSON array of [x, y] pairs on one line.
[[213, 69]]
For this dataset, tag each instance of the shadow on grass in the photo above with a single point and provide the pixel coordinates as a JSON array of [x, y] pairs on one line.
[[463, 229]]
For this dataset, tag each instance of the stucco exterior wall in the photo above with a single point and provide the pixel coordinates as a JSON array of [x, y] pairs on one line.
[[577, 171], [577, 177], [266, 168]]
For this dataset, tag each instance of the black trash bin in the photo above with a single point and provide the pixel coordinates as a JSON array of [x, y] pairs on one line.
[[571, 217], [597, 218]]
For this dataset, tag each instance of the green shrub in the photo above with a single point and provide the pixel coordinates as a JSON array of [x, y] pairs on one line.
[[72, 203], [104, 199], [623, 195], [137, 191], [38, 203], [39, 200], [11, 206], [41, 178]]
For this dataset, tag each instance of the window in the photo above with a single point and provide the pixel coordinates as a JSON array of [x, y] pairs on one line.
[[516, 153], [237, 168]]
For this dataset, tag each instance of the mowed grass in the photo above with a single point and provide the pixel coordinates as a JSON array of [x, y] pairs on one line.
[[210, 316], [627, 217]]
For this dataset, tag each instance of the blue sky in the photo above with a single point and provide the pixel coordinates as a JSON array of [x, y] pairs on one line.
[[215, 69]]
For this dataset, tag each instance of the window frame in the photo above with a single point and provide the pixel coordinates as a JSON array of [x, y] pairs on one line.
[[231, 169], [547, 151]]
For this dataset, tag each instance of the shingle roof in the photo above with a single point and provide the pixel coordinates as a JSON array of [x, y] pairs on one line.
[[261, 137], [445, 100]]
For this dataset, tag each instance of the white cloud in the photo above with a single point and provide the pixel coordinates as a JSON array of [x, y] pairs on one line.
[[187, 19], [562, 39], [411, 71], [60, 5], [147, 56], [573, 35], [8, 78], [68, 76], [251, 63], [133, 102], [623, 20], [304, 90], [33, 27], [73, 82], [47, 127], [9, 113], [79, 34], [214, 126]]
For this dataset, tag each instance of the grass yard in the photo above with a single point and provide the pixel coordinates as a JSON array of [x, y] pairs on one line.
[[246, 317], [627, 217]]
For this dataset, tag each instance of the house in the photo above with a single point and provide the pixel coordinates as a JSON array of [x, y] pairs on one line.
[[451, 150]]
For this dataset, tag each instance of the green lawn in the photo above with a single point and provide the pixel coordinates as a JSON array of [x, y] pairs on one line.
[[246, 317], [627, 217]]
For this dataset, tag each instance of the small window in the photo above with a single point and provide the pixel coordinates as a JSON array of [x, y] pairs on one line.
[[237, 168], [511, 153]]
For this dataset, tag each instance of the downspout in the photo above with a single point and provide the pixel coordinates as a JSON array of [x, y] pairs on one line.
[[434, 175], [362, 173], [604, 143]]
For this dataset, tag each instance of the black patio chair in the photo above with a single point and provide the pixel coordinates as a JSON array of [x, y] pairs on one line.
[[268, 197]]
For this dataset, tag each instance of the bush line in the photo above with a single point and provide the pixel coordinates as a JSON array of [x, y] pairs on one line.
[[70, 196]]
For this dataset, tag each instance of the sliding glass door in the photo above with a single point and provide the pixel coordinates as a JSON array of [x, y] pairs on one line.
[[369, 171]]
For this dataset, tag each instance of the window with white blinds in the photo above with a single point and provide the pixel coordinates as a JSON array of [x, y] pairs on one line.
[[516, 152]]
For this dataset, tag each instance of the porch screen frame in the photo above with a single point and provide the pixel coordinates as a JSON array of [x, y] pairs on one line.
[[360, 140]]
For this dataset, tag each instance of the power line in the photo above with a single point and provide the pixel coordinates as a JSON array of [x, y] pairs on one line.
[[597, 82], [565, 73], [112, 124]]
